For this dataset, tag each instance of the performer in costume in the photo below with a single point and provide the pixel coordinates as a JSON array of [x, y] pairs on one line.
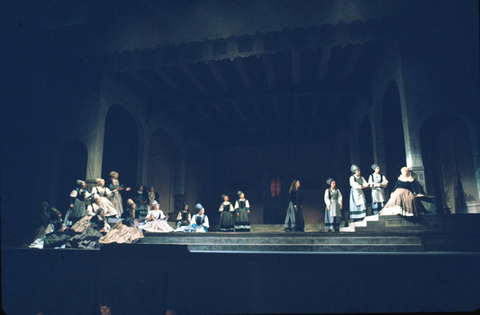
[[358, 208], [56, 233], [116, 189], [333, 209], [378, 183], [294, 218], [41, 221], [199, 222], [131, 215], [99, 221], [104, 193], [141, 201], [226, 218], [242, 209], [184, 217], [403, 198], [78, 207], [156, 221]]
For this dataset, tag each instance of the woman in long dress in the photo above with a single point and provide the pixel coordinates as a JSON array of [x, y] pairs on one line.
[[242, 209], [226, 218], [378, 183], [358, 208], [403, 198], [184, 217], [294, 218], [116, 189], [156, 221], [104, 193], [124, 231], [199, 222], [333, 206], [78, 208], [141, 201]]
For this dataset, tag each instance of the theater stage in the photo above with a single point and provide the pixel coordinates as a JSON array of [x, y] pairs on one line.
[[421, 268]]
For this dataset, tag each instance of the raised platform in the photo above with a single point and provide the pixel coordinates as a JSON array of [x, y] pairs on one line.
[[375, 234]]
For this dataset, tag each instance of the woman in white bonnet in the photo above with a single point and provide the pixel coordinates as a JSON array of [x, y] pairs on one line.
[[358, 208], [104, 193], [333, 206], [378, 183]]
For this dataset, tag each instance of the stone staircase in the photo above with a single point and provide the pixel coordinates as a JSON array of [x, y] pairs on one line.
[[287, 242]]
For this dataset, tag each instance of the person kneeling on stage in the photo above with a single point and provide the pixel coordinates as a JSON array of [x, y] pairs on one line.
[[156, 221], [199, 222], [184, 217], [99, 222], [131, 215]]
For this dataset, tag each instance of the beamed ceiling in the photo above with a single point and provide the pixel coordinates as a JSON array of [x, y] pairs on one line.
[[293, 86]]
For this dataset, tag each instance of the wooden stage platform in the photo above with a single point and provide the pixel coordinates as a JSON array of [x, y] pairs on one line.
[[428, 265]]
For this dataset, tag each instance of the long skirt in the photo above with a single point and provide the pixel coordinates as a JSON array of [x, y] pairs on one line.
[[120, 234], [242, 221], [377, 206], [226, 221], [79, 210], [118, 203], [81, 224], [87, 240], [402, 201], [108, 207], [294, 219], [157, 226], [356, 211], [333, 217]]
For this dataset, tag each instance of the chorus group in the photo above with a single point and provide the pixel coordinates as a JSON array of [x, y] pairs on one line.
[[402, 201], [98, 217]]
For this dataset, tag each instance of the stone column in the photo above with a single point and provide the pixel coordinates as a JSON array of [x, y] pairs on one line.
[[179, 198], [94, 141]]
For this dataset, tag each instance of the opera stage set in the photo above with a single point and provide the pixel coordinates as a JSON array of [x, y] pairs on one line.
[[208, 97]]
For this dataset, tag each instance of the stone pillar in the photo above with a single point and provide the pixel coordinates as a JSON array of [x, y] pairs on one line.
[[96, 135], [179, 198]]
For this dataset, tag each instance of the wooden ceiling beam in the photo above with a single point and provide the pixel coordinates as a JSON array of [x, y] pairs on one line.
[[193, 79], [276, 107], [243, 73], [169, 81], [296, 60], [238, 110], [217, 75], [256, 107], [222, 113], [145, 82], [326, 53], [352, 62], [267, 63]]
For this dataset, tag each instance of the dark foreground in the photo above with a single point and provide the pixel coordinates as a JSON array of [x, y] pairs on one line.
[[148, 278]]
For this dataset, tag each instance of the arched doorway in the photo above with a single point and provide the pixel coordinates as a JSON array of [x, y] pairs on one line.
[[161, 168], [120, 148], [449, 165], [393, 133], [73, 166]]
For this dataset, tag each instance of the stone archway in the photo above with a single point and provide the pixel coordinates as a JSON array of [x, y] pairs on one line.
[[449, 165]]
